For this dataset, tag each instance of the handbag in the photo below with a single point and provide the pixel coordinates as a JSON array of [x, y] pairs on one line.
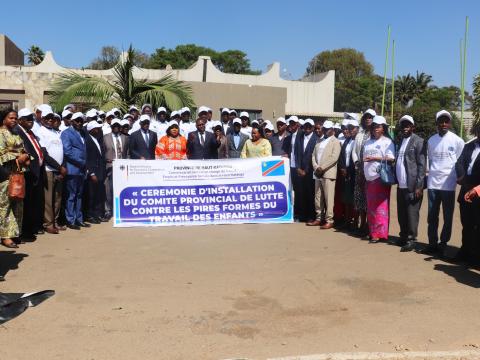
[[16, 184], [387, 177]]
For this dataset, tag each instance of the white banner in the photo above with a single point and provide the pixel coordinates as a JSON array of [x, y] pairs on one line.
[[201, 192]]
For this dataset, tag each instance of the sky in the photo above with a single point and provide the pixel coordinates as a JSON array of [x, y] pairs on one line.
[[427, 33]]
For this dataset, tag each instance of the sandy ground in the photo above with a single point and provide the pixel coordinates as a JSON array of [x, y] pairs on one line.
[[234, 291]]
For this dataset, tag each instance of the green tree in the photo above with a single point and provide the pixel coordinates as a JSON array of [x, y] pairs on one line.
[[183, 56], [359, 94], [35, 55], [110, 55], [476, 100], [122, 91]]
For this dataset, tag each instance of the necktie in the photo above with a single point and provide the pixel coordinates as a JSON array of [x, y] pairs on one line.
[[202, 140], [118, 146], [36, 146], [146, 138]]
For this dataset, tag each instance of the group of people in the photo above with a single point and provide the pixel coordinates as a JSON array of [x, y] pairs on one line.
[[341, 173]]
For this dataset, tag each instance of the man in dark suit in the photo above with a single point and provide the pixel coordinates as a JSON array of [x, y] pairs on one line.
[[33, 204], [95, 173], [142, 142], [304, 147], [410, 170], [116, 147], [468, 175], [202, 144], [289, 145], [279, 137], [75, 156], [235, 140]]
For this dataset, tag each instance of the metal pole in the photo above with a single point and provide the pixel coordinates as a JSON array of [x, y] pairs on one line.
[[464, 66], [393, 83], [385, 70]]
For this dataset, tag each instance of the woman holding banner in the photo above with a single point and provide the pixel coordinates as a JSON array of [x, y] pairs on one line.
[[172, 146], [256, 147]]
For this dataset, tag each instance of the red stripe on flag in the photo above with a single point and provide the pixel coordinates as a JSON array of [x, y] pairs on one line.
[[276, 166]]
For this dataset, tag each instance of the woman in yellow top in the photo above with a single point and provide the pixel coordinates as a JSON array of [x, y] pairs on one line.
[[258, 146]]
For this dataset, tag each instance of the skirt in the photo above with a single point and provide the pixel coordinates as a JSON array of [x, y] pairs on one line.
[[378, 208], [359, 199], [11, 213]]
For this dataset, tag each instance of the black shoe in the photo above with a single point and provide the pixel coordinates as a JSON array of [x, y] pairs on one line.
[[430, 250], [92, 220], [40, 232], [103, 219], [409, 246], [82, 224], [73, 226]]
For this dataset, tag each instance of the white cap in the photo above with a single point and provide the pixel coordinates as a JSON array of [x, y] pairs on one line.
[[110, 113], [345, 122], [116, 121], [24, 112], [308, 121], [269, 127], [202, 109], [78, 115], [171, 122], [146, 105], [337, 126], [143, 118], [43, 107], [208, 109], [237, 121], [124, 122], [65, 113], [126, 116], [56, 116], [353, 123], [216, 123], [91, 113], [93, 125], [282, 120], [161, 109], [328, 124], [407, 118], [100, 112], [443, 113], [371, 112], [267, 122], [132, 107], [225, 110], [351, 116], [68, 106], [244, 114], [301, 122], [254, 122], [46, 112], [114, 110], [232, 111], [174, 113], [379, 120], [293, 118], [184, 110]]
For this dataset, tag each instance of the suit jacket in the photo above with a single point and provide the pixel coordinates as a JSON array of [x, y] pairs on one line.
[[234, 152], [287, 144], [110, 148], [196, 151], [329, 159], [461, 168], [277, 145], [342, 160], [415, 160], [138, 148], [95, 159], [74, 151], [303, 155]]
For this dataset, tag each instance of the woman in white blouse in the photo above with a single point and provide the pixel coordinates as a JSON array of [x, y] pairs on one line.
[[379, 148]]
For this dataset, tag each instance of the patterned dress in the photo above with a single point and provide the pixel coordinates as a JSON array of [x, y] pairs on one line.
[[11, 212], [170, 148], [359, 198]]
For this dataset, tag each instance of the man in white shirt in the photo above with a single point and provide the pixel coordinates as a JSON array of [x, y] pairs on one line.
[[444, 148], [410, 171]]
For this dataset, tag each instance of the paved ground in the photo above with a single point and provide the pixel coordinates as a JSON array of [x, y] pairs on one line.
[[244, 291]]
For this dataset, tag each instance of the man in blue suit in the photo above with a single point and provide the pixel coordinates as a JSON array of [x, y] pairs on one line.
[[75, 156], [202, 144]]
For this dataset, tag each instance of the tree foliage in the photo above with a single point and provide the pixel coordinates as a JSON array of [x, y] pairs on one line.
[[476, 100], [35, 55], [110, 56], [122, 91], [183, 56]]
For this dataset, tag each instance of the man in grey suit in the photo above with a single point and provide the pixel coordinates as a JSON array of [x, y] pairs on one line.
[[236, 140], [116, 147], [410, 171]]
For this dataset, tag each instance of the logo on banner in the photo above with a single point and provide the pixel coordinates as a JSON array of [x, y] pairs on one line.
[[273, 168]]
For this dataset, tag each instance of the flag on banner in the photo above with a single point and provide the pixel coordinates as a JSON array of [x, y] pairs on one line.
[[273, 168]]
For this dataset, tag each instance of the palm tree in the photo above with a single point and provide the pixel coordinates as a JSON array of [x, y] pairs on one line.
[[422, 81], [35, 55], [405, 88], [121, 92]]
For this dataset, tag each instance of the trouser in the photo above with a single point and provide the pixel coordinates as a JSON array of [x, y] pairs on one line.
[[73, 206], [408, 211], [470, 217], [324, 199], [109, 192], [339, 206], [53, 199], [33, 204], [297, 204], [447, 200], [96, 198], [306, 197]]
